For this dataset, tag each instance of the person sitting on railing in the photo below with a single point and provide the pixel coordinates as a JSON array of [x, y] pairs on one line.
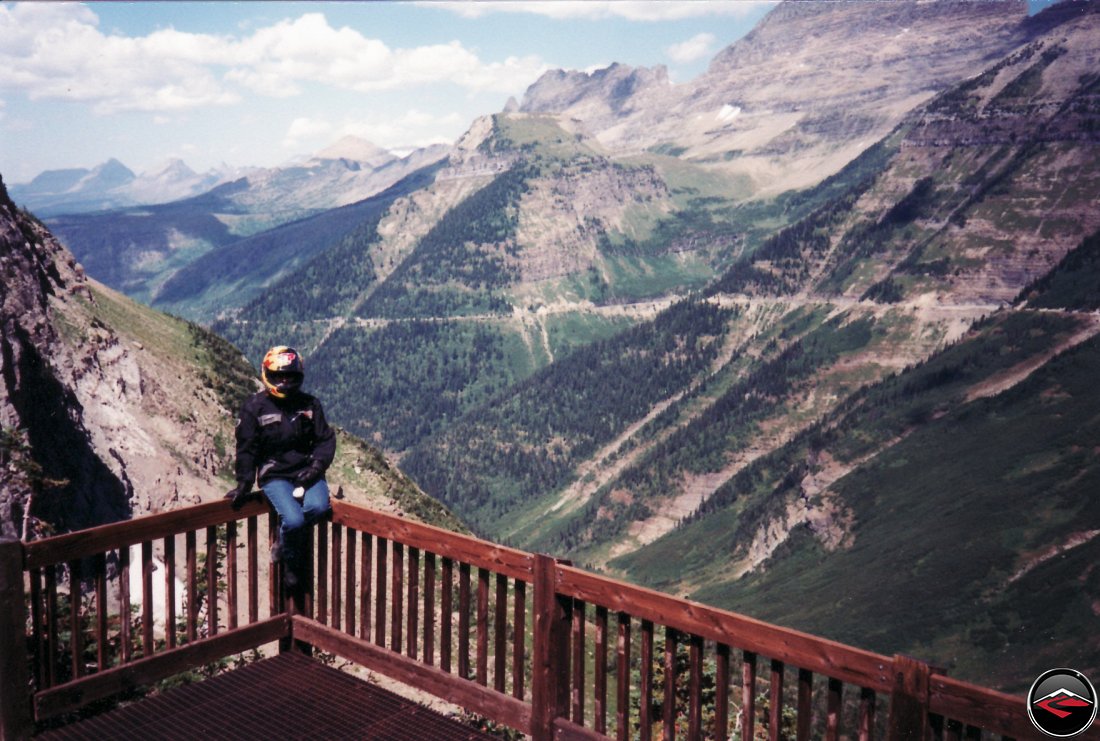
[[285, 441]]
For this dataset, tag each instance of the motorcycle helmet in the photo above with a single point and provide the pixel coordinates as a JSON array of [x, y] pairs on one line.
[[282, 371]]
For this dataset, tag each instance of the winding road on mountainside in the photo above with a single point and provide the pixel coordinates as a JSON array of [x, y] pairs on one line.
[[940, 325]]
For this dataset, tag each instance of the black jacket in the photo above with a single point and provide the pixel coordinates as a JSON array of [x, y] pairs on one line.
[[277, 438]]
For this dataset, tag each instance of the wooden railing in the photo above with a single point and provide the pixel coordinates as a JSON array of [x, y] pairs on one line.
[[523, 639]]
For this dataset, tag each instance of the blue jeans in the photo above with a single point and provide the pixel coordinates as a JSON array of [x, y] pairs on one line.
[[295, 516]]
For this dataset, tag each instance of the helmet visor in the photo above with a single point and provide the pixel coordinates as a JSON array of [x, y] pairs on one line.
[[284, 382]]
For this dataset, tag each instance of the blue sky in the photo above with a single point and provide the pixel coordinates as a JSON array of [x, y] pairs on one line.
[[256, 83]]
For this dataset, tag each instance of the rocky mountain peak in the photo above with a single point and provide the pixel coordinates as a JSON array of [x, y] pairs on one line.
[[356, 149], [173, 167], [611, 88], [110, 174]]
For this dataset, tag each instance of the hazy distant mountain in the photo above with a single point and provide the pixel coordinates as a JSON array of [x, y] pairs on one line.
[[111, 185], [355, 149], [345, 172], [171, 181], [139, 249], [57, 191]]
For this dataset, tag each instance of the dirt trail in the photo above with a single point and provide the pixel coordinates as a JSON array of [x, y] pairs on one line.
[[1007, 379], [597, 470], [1073, 541]]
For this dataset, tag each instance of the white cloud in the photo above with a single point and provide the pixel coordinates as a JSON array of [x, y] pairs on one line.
[[634, 10], [410, 130], [304, 130], [697, 47], [277, 59], [57, 51]]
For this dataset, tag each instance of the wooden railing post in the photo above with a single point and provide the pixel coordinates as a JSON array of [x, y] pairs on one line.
[[16, 719], [298, 599], [550, 653], [909, 700]]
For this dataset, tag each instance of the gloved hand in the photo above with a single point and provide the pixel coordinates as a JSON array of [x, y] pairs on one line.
[[307, 477], [240, 494]]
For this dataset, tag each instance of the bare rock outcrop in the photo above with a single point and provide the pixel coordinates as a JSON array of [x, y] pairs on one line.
[[97, 425], [783, 113], [51, 470]]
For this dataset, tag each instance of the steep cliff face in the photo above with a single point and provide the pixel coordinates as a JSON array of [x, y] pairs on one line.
[[51, 470], [609, 91]]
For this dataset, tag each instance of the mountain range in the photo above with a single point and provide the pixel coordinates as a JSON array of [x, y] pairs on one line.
[[343, 172], [111, 185], [810, 336], [138, 249]]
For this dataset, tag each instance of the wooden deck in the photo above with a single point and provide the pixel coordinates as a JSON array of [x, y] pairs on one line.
[[528, 641], [289, 696]]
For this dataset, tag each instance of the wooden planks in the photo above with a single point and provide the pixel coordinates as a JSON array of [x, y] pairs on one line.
[[78, 692], [819, 655], [377, 574], [483, 700]]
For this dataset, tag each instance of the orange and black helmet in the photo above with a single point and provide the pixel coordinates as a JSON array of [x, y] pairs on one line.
[[282, 371]]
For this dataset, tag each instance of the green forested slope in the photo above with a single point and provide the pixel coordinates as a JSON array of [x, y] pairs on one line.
[[955, 506], [459, 266], [528, 440]]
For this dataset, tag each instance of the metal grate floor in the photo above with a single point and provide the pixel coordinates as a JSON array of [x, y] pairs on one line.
[[289, 696]]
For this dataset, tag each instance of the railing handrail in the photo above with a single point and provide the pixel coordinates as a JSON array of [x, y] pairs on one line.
[[804, 650], [1000, 712], [995, 711], [871, 670], [556, 586], [60, 549], [446, 543]]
